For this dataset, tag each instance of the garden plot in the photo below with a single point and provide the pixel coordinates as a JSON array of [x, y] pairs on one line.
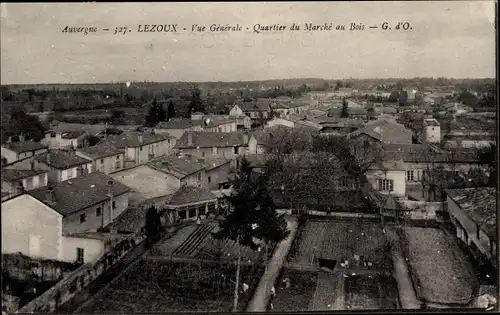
[[441, 275], [340, 240], [329, 294], [167, 286], [370, 293], [298, 296]]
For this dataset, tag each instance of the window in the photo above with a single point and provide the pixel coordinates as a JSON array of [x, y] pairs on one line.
[[83, 217], [64, 175], [52, 134], [201, 210], [386, 185], [182, 214], [192, 212], [102, 161], [117, 165], [98, 212], [211, 207], [114, 204], [117, 157], [236, 150], [202, 154], [140, 149], [79, 255], [410, 175], [199, 176], [209, 179]]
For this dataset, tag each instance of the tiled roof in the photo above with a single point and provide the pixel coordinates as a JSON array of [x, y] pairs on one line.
[[479, 204], [260, 105], [24, 146], [132, 139], [101, 150], [431, 122], [370, 128], [11, 175], [394, 165], [179, 124], [344, 123], [214, 162], [214, 121], [187, 194], [61, 159], [130, 220], [82, 192], [73, 134], [204, 139], [428, 153], [179, 166]]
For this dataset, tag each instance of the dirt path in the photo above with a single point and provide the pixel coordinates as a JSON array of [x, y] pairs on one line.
[[407, 295], [260, 299]]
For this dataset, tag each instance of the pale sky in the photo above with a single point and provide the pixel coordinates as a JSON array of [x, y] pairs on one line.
[[449, 39]]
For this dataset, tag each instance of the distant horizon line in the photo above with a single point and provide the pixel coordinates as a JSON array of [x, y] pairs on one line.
[[253, 81]]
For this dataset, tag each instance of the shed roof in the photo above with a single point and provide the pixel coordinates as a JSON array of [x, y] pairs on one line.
[[480, 204]]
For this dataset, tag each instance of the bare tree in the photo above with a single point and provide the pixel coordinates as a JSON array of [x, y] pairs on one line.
[[280, 140], [357, 154]]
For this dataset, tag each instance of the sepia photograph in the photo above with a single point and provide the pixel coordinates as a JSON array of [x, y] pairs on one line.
[[281, 157]]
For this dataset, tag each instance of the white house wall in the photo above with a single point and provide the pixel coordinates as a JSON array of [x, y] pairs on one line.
[[25, 218], [92, 248]]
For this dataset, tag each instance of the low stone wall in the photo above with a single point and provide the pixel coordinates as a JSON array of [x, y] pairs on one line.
[[421, 210], [68, 287], [332, 214]]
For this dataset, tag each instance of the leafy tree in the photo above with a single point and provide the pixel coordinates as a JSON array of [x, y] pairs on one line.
[[153, 225], [170, 110], [6, 94], [155, 114], [345, 112], [394, 96], [489, 157], [467, 98], [196, 104], [252, 217], [22, 123]]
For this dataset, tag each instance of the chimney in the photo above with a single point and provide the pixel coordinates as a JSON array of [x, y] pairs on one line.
[[21, 138], [190, 138], [51, 198], [245, 138], [141, 138], [110, 195]]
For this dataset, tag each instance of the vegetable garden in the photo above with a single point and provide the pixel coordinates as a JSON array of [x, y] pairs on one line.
[[341, 240], [167, 286]]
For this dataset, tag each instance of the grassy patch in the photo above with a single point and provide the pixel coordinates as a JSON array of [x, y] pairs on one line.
[[442, 276]]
